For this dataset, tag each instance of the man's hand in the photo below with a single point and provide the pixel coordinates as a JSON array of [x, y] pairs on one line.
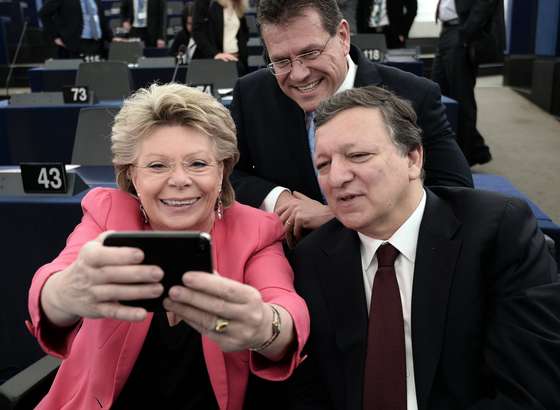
[[160, 43], [297, 211], [58, 41]]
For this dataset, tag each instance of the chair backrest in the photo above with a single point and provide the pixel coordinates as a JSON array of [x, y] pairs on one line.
[[37, 99], [256, 62], [92, 143], [221, 74], [156, 62], [174, 7], [109, 80], [127, 51], [369, 41], [63, 64]]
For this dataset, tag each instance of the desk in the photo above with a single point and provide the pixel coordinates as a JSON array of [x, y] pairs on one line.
[[43, 133], [503, 185], [42, 79], [35, 228]]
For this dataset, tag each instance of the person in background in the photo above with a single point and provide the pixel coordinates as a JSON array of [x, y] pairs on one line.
[[184, 36], [393, 18], [145, 19], [308, 43], [471, 31], [173, 150], [420, 298], [220, 30], [77, 27]]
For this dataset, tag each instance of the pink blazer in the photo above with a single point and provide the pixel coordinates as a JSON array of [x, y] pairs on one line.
[[99, 353]]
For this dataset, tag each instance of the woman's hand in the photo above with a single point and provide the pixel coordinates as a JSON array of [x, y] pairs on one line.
[[100, 277], [207, 299], [225, 57]]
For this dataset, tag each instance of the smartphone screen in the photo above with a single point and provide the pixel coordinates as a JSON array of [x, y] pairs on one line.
[[175, 252]]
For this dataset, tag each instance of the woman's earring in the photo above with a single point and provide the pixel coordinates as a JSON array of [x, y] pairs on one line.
[[144, 214], [219, 206]]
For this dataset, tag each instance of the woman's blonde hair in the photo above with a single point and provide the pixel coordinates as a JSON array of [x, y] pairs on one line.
[[168, 105]]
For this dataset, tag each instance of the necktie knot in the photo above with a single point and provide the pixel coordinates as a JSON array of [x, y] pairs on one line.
[[386, 255]]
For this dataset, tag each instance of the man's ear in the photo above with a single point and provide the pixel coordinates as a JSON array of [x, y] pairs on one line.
[[415, 162]]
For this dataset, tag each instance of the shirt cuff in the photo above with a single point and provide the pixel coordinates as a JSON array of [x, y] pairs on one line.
[[269, 202]]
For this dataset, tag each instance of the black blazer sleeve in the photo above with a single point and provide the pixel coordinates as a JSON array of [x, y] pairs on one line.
[[249, 188], [444, 163], [47, 14], [475, 16], [203, 28], [522, 346], [126, 10]]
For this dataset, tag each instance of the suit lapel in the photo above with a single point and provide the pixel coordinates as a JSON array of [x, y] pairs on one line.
[[436, 256], [343, 286], [296, 142]]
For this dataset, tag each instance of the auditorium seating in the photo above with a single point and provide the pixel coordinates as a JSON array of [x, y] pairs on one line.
[[109, 80]]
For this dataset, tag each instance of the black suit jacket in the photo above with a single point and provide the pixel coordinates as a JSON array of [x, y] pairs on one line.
[[485, 314], [63, 18], [401, 14], [156, 10], [208, 31], [272, 137]]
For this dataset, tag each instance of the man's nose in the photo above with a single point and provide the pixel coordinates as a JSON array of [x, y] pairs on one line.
[[299, 70]]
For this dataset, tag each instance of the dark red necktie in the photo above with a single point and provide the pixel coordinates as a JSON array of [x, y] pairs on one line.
[[385, 370]]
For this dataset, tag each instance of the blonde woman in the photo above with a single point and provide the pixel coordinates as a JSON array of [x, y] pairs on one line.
[[173, 151], [220, 30]]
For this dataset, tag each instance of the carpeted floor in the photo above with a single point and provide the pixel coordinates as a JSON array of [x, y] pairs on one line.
[[524, 141]]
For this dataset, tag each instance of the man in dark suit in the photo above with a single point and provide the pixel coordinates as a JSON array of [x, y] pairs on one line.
[[78, 27], [472, 33], [394, 18], [308, 43], [465, 314], [145, 19]]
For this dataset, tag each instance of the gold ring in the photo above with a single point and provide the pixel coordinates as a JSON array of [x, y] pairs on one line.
[[221, 325], [288, 223]]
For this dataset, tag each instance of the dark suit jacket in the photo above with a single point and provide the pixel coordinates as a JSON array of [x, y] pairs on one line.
[[63, 18], [401, 14], [208, 31], [272, 137], [485, 316], [156, 10]]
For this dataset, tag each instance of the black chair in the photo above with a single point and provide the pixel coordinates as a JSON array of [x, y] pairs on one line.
[[127, 51], [92, 144], [221, 74], [24, 390], [37, 99], [109, 80], [367, 41]]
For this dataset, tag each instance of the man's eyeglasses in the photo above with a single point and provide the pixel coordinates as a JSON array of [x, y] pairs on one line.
[[285, 66], [195, 167]]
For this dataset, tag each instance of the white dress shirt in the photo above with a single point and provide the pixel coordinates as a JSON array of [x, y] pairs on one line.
[[269, 202], [231, 27], [405, 239], [447, 10]]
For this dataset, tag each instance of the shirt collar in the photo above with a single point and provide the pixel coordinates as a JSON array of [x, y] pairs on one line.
[[348, 82], [405, 239]]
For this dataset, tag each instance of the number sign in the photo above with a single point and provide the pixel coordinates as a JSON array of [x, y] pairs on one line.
[[44, 178], [373, 54], [76, 94]]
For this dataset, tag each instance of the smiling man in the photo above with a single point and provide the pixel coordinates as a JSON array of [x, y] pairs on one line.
[[431, 299], [308, 44]]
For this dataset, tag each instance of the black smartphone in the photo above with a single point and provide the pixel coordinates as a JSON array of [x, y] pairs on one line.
[[175, 252]]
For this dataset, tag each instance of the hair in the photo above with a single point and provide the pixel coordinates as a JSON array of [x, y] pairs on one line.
[[168, 105], [187, 12], [398, 115], [282, 11]]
